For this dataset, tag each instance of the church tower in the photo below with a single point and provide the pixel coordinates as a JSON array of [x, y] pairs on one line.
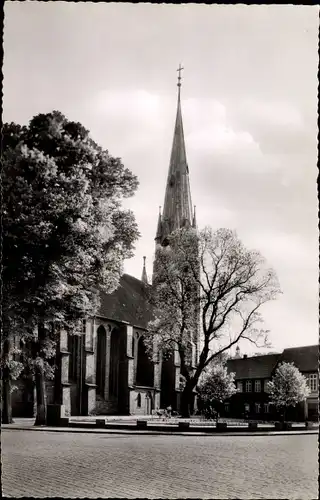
[[177, 213], [177, 210]]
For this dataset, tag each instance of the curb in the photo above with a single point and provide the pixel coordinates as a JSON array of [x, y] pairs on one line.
[[157, 433]]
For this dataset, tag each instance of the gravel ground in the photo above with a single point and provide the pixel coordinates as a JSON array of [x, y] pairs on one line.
[[44, 464]]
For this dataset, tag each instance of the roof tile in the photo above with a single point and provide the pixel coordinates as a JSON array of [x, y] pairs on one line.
[[305, 358], [254, 367], [128, 303]]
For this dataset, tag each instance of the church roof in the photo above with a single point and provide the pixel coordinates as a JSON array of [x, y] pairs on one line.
[[128, 303]]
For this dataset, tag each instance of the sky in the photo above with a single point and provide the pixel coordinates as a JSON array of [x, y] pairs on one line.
[[249, 106]]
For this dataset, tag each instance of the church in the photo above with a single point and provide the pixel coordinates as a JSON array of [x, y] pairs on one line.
[[106, 370]]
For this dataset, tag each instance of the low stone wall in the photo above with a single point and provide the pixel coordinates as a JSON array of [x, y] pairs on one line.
[[181, 426]]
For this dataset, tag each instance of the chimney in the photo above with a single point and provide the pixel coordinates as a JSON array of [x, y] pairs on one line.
[[245, 356]]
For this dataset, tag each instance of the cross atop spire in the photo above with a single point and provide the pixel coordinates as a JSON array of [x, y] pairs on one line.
[[179, 77]]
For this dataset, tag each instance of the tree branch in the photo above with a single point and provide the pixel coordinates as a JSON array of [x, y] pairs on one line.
[[238, 337]]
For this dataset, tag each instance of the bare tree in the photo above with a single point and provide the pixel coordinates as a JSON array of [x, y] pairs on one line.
[[207, 293]]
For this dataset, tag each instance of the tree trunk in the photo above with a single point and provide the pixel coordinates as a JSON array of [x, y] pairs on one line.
[[6, 386], [57, 374], [6, 397], [41, 416], [186, 400], [284, 414]]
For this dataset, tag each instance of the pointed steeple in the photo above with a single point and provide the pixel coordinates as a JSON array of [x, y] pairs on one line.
[[194, 222], [144, 276], [177, 209]]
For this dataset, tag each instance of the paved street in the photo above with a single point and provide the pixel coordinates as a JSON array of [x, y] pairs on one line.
[[42, 464]]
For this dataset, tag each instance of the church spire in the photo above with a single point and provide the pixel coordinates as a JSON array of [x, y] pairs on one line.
[[194, 222], [144, 276], [177, 209]]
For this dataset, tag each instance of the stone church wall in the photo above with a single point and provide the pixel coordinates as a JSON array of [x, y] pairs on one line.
[[103, 407], [143, 401]]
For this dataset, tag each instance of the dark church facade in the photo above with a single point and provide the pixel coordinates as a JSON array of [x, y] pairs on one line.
[[106, 370]]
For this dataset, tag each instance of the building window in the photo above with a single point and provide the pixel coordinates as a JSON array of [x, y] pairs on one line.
[[257, 407], [132, 346], [240, 386], [257, 386], [145, 367], [114, 362], [248, 386], [313, 382], [101, 360], [246, 407], [266, 408], [74, 349], [139, 400], [226, 407]]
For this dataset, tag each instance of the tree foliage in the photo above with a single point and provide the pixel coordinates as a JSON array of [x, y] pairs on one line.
[[65, 232], [288, 386], [174, 296], [207, 293], [215, 386]]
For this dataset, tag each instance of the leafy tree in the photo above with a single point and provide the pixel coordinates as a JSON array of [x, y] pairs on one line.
[[216, 385], [65, 235], [207, 293], [288, 387]]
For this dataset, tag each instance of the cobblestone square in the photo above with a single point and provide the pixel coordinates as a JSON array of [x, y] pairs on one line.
[[44, 464]]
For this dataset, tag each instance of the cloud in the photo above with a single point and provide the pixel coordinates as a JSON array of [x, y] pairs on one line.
[[221, 139], [272, 114], [211, 132], [279, 126], [137, 105]]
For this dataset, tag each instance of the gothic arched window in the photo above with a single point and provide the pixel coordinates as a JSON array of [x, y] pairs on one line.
[[145, 369], [132, 345], [139, 400], [114, 363], [101, 360]]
